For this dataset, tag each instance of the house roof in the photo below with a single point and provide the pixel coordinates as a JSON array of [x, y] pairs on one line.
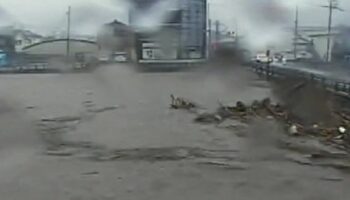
[[27, 34], [118, 25], [116, 22]]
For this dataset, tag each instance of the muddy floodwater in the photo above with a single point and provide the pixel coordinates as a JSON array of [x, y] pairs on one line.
[[110, 134]]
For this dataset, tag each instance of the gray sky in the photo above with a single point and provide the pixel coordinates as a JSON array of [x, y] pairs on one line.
[[262, 21], [259, 18], [50, 15], [50, 12], [258, 10]]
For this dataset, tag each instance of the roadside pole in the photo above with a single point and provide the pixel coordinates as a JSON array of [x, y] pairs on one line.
[[68, 31], [296, 32], [333, 5]]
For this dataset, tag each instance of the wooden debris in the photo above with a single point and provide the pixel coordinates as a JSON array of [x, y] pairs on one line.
[[240, 107], [181, 103], [265, 108], [208, 118], [293, 130], [228, 164]]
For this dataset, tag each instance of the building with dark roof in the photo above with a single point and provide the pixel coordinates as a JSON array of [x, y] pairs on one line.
[[114, 36]]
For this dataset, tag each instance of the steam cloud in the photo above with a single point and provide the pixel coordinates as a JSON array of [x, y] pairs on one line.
[[45, 16], [151, 18], [263, 22]]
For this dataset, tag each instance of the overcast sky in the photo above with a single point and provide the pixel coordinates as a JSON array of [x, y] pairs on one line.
[[310, 11], [45, 15], [262, 21], [48, 15]]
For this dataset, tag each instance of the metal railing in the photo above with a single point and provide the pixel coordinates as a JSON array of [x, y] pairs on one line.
[[275, 72]]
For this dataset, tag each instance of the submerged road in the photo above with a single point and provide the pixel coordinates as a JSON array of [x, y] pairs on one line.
[[111, 135]]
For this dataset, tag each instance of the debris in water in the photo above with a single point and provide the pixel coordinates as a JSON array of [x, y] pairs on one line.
[[232, 124], [338, 164], [62, 119], [312, 147], [241, 107], [208, 118], [88, 103], [269, 117], [342, 130], [274, 111], [181, 103], [60, 152], [300, 159], [91, 173], [162, 154], [30, 107], [236, 165], [104, 109], [293, 130]]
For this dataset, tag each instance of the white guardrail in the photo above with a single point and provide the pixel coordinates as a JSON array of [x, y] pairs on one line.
[[32, 67]]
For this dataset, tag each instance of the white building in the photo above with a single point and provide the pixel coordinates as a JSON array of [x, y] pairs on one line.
[[311, 43], [320, 42], [24, 38]]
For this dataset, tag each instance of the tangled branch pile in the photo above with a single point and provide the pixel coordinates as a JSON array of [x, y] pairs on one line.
[[335, 131]]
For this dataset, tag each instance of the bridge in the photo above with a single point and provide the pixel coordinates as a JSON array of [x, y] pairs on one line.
[[58, 47], [60, 40]]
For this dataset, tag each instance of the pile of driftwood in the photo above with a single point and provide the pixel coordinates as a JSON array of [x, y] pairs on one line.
[[240, 111], [337, 132]]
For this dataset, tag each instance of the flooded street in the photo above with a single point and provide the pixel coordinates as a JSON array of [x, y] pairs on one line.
[[111, 134]]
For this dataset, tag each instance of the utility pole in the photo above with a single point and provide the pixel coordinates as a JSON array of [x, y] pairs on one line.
[[209, 41], [333, 5], [296, 32], [68, 31], [217, 31], [209, 37], [329, 29], [237, 29]]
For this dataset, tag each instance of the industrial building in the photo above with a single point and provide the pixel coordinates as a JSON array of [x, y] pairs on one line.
[[114, 36], [169, 30]]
